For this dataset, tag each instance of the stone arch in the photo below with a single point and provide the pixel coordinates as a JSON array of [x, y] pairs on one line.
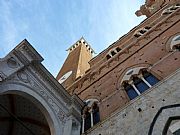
[[34, 97], [161, 120]]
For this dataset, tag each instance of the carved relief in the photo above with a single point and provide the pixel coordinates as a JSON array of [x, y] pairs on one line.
[[23, 77], [26, 49], [58, 111], [12, 63]]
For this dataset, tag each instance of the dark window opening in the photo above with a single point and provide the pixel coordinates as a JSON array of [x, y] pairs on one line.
[[151, 79], [113, 53], [108, 56], [177, 47], [118, 49], [140, 84], [177, 132], [130, 91], [87, 122], [147, 27], [137, 35], [96, 116], [142, 31]]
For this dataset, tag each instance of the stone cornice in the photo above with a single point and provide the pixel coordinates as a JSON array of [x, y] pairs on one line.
[[25, 51], [24, 55]]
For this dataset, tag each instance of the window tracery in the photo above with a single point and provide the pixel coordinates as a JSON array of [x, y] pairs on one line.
[[138, 80]]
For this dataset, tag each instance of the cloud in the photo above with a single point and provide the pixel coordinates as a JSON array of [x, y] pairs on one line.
[[9, 31]]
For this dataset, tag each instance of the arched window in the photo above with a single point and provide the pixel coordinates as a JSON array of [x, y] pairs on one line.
[[90, 115], [137, 83]]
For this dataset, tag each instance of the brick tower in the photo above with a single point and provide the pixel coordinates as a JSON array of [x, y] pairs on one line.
[[76, 63]]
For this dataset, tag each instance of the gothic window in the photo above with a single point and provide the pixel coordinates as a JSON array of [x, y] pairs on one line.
[[90, 115], [139, 83]]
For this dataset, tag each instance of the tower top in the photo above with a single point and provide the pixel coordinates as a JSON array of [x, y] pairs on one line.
[[76, 63], [81, 41]]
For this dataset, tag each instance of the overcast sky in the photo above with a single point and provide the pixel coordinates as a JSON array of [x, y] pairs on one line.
[[52, 26]]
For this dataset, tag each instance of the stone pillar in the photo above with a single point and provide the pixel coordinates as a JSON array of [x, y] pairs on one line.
[[91, 112], [142, 78], [132, 84], [83, 120]]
